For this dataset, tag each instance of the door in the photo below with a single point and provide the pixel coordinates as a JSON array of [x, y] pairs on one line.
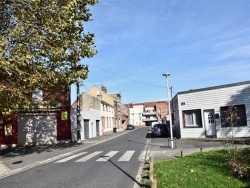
[[37, 128], [210, 123], [86, 128], [97, 128]]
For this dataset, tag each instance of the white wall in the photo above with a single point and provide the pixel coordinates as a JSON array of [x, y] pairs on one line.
[[135, 115], [109, 114], [214, 99], [92, 115]]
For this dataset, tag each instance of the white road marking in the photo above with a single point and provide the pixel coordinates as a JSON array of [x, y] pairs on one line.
[[84, 159], [107, 156], [70, 157], [127, 156]]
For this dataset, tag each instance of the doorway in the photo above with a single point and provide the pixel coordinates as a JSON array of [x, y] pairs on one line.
[[210, 125], [86, 128], [97, 128]]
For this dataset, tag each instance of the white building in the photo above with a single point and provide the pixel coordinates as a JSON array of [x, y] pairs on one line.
[[135, 114], [97, 113], [91, 125], [203, 112]]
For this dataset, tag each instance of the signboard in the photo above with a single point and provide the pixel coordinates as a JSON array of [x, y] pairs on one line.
[[8, 130], [64, 115]]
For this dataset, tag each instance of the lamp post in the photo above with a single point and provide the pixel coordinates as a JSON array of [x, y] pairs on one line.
[[119, 109], [169, 110], [122, 91]]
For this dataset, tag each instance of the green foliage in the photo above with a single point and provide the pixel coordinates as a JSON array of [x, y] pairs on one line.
[[41, 44], [203, 169], [239, 165], [238, 160]]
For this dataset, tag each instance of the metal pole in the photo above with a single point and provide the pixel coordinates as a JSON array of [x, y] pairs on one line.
[[78, 111], [170, 115]]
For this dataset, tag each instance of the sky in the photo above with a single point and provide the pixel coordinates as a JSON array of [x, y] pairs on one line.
[[201, 43]]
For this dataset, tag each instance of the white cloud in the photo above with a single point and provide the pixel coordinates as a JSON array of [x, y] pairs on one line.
[[239, 52]]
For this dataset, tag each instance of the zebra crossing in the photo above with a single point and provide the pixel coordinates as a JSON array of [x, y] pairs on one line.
[[103, 158]]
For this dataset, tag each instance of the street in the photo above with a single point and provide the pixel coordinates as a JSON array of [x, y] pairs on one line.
[[113, 164]]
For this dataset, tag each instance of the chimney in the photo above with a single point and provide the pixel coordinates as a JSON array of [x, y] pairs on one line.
[[104, 89]]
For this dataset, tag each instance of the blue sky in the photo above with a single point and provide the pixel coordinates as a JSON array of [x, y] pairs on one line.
[[201, 43]]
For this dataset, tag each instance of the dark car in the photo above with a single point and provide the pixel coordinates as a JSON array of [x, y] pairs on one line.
[[130, 127], [160, 129]]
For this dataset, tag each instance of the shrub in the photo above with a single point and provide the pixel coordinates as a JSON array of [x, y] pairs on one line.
[[239, 165]]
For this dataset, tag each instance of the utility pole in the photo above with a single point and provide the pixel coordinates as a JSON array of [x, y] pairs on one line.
[[78, 121]]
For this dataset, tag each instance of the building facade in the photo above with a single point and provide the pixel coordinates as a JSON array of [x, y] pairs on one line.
[[103, 121], [121, 112], [90, 115], [148, 112], [41, 124], [206, 112], [135, 114]]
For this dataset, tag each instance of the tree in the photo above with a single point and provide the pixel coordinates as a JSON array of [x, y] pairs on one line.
[[41, 45]]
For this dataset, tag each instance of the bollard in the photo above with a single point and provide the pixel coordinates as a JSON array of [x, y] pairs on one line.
[[181, 153]]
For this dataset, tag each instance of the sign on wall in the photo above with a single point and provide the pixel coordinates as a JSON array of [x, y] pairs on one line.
[[64, 115], [8, 130]]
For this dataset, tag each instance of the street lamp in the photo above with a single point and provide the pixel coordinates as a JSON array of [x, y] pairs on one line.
[[121, 91], [120, 109], [169, 110]]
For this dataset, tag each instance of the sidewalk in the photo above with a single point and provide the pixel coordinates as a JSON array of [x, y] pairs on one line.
[[20, 158], [160, 148]]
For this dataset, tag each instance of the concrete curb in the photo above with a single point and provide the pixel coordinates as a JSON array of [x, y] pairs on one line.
[[143, 158]]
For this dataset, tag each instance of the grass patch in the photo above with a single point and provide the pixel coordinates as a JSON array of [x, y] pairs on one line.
[[202, 169]]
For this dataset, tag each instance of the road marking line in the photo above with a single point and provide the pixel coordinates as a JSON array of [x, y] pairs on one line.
[[107, 156], [84, 159], [127, 156], [3, 168], [70, 157]]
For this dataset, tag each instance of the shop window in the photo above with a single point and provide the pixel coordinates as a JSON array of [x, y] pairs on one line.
[[192, 118], [233, 116]]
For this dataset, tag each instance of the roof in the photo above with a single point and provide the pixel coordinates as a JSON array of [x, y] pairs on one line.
[[95, 91], [214, 87]]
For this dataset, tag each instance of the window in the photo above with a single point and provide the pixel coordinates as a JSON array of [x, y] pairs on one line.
[[192, 118], [37, 95], [237, 114]]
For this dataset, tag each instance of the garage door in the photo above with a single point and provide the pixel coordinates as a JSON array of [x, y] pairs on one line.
[[86, 128], [40, 129]]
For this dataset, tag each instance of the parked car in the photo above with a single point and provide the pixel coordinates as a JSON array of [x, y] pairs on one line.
[[130, 127], [160, 129], [153, 124]]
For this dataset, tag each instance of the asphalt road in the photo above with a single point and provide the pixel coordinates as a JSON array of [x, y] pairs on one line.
[[111, 164]]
